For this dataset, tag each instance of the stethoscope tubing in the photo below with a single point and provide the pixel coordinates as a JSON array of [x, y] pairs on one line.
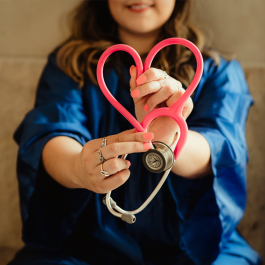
[[147, 201], [175, 111]]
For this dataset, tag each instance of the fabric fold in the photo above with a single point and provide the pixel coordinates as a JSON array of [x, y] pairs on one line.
[[219, 115]]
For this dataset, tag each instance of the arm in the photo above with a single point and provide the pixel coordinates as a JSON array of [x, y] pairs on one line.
[[76, 166], [195, 159], [211, 207], [58, 112], [59, 156]]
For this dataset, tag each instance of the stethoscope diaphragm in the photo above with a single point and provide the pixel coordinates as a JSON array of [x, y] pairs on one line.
[[158, 159]]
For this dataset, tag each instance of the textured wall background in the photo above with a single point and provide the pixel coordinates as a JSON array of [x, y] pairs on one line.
[[30, 29]]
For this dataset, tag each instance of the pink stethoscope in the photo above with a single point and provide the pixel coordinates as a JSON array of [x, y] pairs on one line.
[[160, 158]]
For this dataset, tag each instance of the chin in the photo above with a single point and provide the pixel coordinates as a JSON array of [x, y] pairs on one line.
[[141, 29]]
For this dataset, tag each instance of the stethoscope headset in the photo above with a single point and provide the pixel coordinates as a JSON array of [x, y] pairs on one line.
[[162, 153]]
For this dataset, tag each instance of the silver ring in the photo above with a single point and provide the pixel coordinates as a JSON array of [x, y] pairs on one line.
[[102, 172], [130, 90], [165, 74], [104, 142], [101, 158], [181, 89]]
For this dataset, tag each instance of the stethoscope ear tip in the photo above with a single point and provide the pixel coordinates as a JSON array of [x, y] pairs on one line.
[[128, 218]]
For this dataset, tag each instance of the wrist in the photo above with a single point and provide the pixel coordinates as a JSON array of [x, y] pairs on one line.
[[169, 140], [77, 171]]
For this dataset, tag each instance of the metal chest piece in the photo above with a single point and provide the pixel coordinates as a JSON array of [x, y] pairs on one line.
[[159, 159]]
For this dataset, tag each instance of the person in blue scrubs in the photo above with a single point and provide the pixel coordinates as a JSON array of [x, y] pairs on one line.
[[193, 218]]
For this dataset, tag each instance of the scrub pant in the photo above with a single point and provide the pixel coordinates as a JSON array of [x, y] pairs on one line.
[[29, 256], [236, 252]]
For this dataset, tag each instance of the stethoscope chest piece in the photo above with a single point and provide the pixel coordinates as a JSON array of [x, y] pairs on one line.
[[158, 159]]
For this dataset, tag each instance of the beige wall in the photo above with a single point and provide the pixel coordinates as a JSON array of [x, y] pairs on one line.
[[30, 29]]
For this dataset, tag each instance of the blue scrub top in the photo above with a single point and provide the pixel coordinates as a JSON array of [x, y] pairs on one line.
[[194, 218]]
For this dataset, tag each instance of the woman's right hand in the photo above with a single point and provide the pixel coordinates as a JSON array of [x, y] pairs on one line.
[[87, 164]]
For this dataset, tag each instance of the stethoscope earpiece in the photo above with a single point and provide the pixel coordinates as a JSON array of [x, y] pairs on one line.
[[158, 159], [126, 216]]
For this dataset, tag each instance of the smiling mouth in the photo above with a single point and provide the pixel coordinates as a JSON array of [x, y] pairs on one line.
[[139, 7]]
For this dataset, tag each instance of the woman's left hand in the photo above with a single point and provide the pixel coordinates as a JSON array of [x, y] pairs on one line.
[[150, 91]]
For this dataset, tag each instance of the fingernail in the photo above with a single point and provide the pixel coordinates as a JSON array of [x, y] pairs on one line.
[[147, 128], [147, 146], [129, 163], [131, 69], [135, 93], [146, 108], [140, 80], [148, 136]]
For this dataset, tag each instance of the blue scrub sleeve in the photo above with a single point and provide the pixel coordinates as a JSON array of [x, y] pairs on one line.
[[45, 204], [210, 208]]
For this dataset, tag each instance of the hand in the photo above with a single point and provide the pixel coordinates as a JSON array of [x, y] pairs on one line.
[[87, 164], [151, 91]]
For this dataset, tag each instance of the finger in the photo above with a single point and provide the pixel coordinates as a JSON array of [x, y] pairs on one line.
[[113, 182], [147, 88], [114, 165], [96, 143], [130, 137], [152, 74], [170, 87], [155, 86], [126, 136], [187, 107], [133, 73], [177, 95], [117, 149]]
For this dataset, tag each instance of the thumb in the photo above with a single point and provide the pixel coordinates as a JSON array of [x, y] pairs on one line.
[[133, 74]]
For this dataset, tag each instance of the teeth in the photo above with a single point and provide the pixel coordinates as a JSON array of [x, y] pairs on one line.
[[138, 7]]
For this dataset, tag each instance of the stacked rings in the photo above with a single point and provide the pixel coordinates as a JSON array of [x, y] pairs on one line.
[[102, 159], [104, 143], [102, 172]]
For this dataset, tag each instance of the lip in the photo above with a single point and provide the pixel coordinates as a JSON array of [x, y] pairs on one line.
[[148, 6]]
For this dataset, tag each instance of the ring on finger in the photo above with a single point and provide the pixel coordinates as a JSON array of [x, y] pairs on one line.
[[104, 142], [102, 172], [101, 158], [165, 74], [181, 89]]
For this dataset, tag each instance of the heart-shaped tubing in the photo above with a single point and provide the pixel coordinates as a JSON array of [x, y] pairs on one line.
[[103, 87], [175, 111]]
